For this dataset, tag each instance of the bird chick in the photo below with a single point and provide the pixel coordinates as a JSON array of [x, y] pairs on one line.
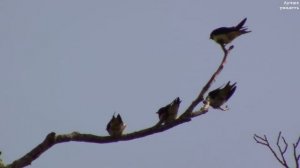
[[115, 126], [169, 112]]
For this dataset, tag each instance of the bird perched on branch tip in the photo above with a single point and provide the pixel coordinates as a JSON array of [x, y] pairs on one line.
[[225, 35]]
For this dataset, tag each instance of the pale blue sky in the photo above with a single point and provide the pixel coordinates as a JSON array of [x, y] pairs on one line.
[[69, 65]]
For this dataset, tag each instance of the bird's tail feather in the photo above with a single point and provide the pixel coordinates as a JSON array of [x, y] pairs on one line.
[[241, 24], [244, 30]]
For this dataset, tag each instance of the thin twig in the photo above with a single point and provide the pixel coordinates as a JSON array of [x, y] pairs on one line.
[[282, 152], [260, 140], [296, 156], [285, 144]]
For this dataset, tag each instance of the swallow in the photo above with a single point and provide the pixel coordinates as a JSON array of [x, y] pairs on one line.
[[219, 96], [225, 35], [169, 112], [115, 126]]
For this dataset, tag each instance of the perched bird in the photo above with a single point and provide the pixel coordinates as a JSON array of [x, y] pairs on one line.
[[169, 112], [115, 126], [219, 96], [225, 35]]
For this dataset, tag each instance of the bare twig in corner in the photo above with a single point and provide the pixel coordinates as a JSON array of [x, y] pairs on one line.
[[296, 156], [282, 149], [264, 141]]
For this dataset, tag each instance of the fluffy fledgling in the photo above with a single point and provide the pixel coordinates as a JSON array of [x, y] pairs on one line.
[[169, 112], [115, 126]]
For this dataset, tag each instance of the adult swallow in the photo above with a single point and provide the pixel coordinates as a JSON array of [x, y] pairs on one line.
[[169, 112], [219, 96], [225, 35], [115, 126]]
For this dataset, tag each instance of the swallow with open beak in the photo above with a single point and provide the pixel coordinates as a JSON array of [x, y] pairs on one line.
[[225, 35], [169, 112], [115, 126], [219, 96]]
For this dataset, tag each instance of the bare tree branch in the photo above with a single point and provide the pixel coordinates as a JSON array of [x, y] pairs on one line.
[[264, 141], [35, 153], [296, 156], [282, 152], [285, 144], [53, 139], [282, 149]]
